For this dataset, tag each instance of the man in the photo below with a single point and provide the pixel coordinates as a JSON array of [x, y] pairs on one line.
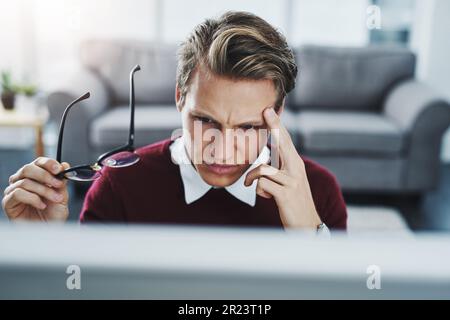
[[233, 75]]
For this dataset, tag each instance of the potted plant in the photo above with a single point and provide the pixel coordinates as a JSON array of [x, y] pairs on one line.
[[28, 90], [9, 91]]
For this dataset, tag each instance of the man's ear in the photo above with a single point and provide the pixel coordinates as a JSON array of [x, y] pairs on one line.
[[179, 101], [281, 108]]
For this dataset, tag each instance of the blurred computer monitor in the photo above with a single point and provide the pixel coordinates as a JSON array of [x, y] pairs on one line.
[[162, 262]]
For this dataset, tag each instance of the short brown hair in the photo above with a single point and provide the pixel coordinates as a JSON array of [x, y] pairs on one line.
[[238, 45]]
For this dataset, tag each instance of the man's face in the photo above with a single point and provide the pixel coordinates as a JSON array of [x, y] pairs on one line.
[[224, 119]]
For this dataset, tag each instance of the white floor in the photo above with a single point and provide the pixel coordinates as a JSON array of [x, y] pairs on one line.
[[363, 219]]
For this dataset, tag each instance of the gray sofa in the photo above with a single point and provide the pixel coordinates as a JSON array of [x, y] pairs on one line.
[[358, 111]]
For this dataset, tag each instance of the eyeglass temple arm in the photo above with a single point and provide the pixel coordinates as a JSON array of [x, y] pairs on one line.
[[131, 133], [63, 121]]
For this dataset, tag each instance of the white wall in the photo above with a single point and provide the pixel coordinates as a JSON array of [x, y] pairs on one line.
[[180, 17], [12, 42], [61, 25], [330, 22], [431, 41], [39, 38], [46, 33]]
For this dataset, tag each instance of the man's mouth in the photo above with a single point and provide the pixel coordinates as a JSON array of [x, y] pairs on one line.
[[222, 168]]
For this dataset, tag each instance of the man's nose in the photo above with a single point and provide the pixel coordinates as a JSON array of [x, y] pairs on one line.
[[224, 148]]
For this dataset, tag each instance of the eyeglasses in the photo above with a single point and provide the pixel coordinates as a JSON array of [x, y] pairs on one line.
[[121, 157]]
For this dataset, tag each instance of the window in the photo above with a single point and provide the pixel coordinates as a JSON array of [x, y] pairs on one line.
[[396, 21]]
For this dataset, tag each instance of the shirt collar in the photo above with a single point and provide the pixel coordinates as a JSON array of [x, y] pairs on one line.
[[195, 187]]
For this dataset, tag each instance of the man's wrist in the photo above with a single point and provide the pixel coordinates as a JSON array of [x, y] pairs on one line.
[[312, 223]]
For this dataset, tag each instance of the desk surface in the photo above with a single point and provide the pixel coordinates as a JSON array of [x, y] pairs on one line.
[[167, 262], [15, 118]]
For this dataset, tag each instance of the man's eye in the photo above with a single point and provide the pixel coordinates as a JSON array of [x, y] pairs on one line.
[[250, 127], [247, 127], [203, 119]]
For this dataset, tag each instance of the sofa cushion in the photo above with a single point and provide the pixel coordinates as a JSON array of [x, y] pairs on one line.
[[348, 78], [152, 123], [365, 173], [113, 60], [348, 133]]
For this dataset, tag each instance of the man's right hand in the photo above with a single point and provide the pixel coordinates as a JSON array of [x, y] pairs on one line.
[[35, 194]]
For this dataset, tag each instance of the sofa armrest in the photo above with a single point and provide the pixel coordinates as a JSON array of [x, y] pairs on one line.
[[424, 116], [76, 85], [413, 102], [76, 132]]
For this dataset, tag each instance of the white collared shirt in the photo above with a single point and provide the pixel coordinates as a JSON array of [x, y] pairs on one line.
[[195, 187]]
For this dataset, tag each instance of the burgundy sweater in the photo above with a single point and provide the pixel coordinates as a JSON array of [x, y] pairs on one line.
[[151, 191]]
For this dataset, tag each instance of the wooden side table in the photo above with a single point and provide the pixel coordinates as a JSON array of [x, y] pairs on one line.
[[35, 120]]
